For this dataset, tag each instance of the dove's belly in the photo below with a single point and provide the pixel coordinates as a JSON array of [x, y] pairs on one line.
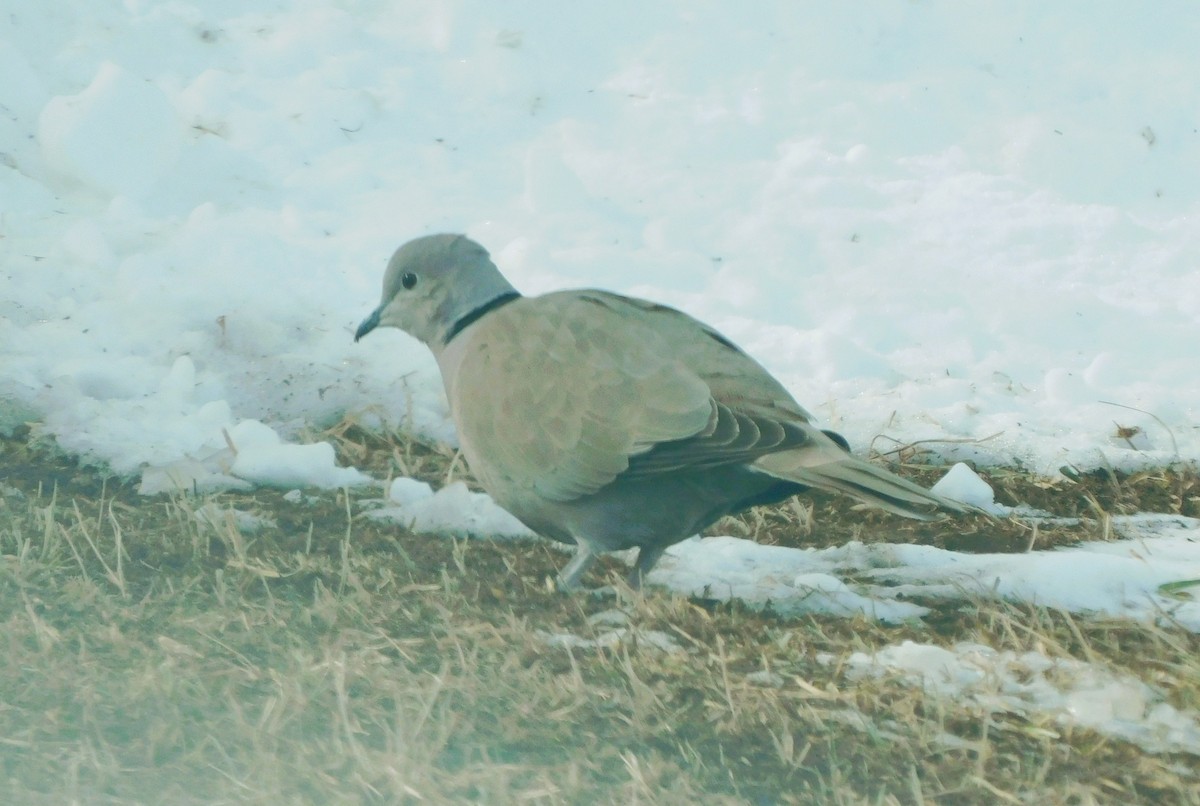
[[642, 512]]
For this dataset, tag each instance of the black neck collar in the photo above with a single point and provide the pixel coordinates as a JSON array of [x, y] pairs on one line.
[[474, 315]]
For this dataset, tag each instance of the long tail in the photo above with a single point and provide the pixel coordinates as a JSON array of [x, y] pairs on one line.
[[840, 472]]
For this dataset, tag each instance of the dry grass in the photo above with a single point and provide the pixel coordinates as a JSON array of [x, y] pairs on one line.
[[159, 651]]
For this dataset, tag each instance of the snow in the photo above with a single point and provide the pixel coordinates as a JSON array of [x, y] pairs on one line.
[[976, 227], [262, 458], [963, 484], [621, 632], [1122, 578], [791, 581], [452, 510], [930, 222], [246, 523], [1070, 692], [119, 136]]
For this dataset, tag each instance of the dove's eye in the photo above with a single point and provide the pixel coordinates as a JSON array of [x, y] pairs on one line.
[[408, 279]]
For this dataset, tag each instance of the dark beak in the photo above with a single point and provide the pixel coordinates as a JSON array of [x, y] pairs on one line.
[[368, 324]]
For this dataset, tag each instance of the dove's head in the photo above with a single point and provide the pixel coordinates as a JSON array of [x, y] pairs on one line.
[[434, 286]]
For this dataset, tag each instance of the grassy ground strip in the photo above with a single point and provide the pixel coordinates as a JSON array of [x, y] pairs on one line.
[[170, 651]]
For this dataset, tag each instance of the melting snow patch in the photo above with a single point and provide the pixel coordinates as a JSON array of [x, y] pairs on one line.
[[964, 485], [611, 618], [234, 456], [790, 581], [1119, 578], [405, 491], [612, 639], [607, 640], [245, 522], [765, 679], [263, 458], [452, 510], [1072, 692], [188, 475], [1123, 578]]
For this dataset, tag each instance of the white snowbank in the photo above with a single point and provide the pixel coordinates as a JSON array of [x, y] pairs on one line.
[[878, 201], [120, 135]]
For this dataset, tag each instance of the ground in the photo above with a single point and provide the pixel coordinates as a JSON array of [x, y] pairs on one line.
[[162, 650]]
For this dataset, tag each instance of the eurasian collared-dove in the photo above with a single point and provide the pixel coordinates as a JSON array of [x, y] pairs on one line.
[[612, 422]]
